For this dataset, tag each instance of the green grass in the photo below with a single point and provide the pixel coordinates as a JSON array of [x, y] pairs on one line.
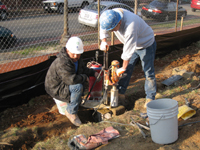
[[198, 44], [29, 50], [35, 48], [172, 24]]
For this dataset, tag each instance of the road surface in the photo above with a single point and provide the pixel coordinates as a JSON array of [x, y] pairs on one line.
[[49, 27]]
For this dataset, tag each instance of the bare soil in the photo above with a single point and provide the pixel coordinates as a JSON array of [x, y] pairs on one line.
[[25, 126]]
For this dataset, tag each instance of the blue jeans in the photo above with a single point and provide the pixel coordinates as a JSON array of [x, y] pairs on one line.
[[147, 57], [75, 98]]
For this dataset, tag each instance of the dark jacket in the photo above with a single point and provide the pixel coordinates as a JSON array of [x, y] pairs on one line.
[[62, 73]]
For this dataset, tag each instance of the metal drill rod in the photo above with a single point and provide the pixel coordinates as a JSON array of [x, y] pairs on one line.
[[106, 58], [102, 100], [93, 86], [143, 126], [139, 128], [97, 55], [136, 125]]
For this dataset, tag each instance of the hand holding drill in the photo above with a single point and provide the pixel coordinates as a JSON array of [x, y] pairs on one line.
[[104, 46], [120, 71]]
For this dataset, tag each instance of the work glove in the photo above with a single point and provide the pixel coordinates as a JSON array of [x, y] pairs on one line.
[[120, 71], [103, 46], [85, 77]]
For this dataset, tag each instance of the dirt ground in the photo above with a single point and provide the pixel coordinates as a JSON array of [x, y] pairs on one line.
[[25, 126]]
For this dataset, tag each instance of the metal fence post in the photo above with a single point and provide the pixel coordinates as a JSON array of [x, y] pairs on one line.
[[65, 36], [98, 24], [176, 16], [181, 24], [136, 6]]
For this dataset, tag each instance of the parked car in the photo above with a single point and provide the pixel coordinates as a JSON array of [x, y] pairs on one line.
[[7, 38], [162, 10], [89, 15], [131, 3], [3, 9], [184, 1], [128, 2], [58, 5], [195, 5], [181, 1]]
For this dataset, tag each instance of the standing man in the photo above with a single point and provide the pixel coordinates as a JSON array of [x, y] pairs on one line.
[[66, 77], [139, 43]]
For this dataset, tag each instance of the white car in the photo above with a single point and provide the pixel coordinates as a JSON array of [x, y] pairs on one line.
[[89, 15], [58, 5]]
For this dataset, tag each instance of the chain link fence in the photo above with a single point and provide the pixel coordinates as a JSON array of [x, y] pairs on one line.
[[34, 28]]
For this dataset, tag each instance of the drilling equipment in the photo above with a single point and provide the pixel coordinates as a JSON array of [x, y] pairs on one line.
[[110, 82]]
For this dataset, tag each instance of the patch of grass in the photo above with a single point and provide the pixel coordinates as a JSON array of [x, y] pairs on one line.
[[195, 91], [180, 103], [178, 89], [198, 44], [24, 129], [29, 50], [71, 132], [35, 129], [31, 102], [172, 24], [11, 132], [32, 49]]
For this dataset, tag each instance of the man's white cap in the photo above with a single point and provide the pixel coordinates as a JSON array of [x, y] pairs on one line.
[[75, 45]]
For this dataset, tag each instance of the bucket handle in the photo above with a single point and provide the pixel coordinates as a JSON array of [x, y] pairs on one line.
[[89, 64], [157, 120]]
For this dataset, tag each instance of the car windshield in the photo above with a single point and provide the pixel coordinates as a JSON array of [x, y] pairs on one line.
[[159, 3], [95, 7]]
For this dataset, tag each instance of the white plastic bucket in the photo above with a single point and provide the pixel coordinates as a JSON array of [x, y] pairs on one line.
[[163, 120], [61, 106]]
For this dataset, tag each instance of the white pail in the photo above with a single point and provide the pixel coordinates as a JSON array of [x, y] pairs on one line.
[[61, 106], [163, 120]]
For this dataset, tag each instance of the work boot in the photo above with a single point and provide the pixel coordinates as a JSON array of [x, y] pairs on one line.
[[147, 101], [73, 118]]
